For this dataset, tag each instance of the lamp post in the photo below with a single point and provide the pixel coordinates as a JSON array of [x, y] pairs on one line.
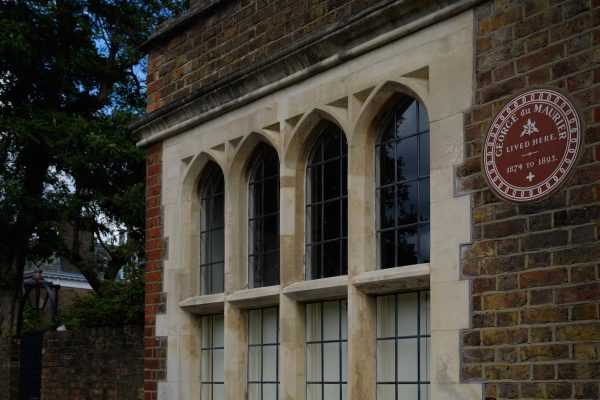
[[38, 292]]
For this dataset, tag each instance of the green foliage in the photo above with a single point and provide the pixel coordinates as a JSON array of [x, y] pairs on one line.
[[116, 304], [33, 320]]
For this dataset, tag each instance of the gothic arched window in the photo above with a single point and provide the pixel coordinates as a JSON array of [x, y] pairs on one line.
[[402, 154], [263, 220], [212, 231], [327, 206]]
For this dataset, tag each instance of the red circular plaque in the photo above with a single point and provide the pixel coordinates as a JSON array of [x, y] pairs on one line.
[[532, 145]]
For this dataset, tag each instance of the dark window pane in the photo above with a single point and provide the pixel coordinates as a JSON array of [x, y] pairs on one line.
[[217, 278], [271, 195], [387, 243], [344, 176], [254, 199], [211, 230], [331, 143], [314, 184], [218, 212], [407, 123], [331, 259], [387, 207], [271, 234], [327, 183], [423, 119], [332, 223], [313, 215], [424, 200], [263, 235], [407, 156], [204, 248], [407, 203], [387, 165], [204, 279], [387, 131], [407, 246], [271, 165], [313, 256], [344, 257], [217, 245], [424, 239], [424, 154], [344, 217], [332, 181], [270, 268]]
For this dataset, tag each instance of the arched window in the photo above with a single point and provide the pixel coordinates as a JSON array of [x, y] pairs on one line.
[[263, 220], [402, 153], [327, 206], [212, 231]]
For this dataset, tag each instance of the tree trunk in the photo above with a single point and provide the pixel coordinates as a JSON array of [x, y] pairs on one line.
[[16, 234]]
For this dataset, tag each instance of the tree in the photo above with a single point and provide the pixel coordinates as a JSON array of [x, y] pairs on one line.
[[69, 168]]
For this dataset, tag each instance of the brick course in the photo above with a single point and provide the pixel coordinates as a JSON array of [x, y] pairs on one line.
[[155, 348], [233, 36], [535, 268], [101, 363], [9, 368]]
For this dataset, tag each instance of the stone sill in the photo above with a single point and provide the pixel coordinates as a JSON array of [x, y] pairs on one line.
[[391, 280], [202, 305], [318, 289], [255, 298]]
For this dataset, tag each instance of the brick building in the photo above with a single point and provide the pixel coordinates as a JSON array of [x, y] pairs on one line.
[[319, 223]]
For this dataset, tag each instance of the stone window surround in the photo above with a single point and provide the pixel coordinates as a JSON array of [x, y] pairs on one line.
[[357, 113]]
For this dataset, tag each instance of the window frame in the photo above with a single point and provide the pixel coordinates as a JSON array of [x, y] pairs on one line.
[[423, 177], [341, 340], [208, 194], [210, 349], [262, 345], [396, 338], [265, 152], [318, 150]]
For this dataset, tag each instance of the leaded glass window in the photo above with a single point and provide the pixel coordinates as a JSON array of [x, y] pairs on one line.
[[403, 346], [263, 354], [327, 206], [212, 359], [212, 231], [326, 350], [402, 153], [263, 220]]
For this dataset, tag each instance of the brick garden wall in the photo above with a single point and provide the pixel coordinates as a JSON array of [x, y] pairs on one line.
[[101, 363], [155, 347], [9, 368], [234, 35], [535, 268]]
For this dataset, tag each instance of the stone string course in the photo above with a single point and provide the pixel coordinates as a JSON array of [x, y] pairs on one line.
[[535, 268]]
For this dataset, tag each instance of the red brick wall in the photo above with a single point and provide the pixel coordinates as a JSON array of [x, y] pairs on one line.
[[234, 35], [535, 268], [101, 363], [9, 368], [154, 347]]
